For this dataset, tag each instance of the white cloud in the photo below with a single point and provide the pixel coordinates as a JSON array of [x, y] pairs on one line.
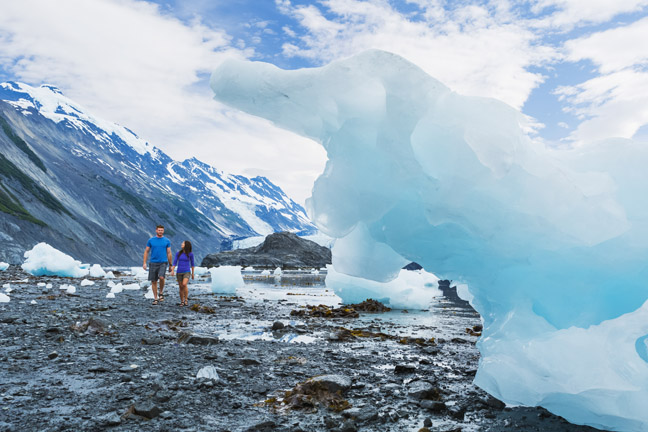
[[473, 49], [615, 103], [570, 13]]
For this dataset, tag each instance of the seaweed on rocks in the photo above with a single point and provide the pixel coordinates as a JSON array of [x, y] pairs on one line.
[[314, 393], [346, 311]]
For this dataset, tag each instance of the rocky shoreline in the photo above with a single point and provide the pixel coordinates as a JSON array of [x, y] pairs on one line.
[[80, 361]]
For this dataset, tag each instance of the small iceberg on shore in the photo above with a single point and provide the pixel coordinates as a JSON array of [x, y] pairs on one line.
[[44, 260], [410, 290], [225, 279]]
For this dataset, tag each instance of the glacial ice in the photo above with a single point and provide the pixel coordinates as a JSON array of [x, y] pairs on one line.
[[97, 271], [409, 290], [4, 298], [3, 266], [553, 243], [225, 279], [44, 260]]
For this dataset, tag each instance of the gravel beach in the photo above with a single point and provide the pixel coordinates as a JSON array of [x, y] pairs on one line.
[[259, 361]]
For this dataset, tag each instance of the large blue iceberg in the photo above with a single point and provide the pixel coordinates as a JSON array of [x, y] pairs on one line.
[[552, 243]]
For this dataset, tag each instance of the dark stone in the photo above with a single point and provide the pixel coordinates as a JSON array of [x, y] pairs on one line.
[[423, 390], [195, 339], [457, 412], [277, 325], [413, 266], [282, 249], [147, 410], [427, 422], [404, 369], [433, 406]]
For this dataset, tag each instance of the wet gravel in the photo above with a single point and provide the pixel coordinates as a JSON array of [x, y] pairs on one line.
[[81, 361]]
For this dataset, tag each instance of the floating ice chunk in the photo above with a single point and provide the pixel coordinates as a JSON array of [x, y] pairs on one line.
[[226, 279], [249, 268], [4, 298], [3, 266], [139, 272], [49, 285], [199, 271], [277, 271], [208, 372], [44, 260], [96, 271], [71, 289], [265, 273], [7, 285], [132, 286], [32, 302], [87, 282], [410, 290], [315, 272], [40, 284], [110, 275], [110, 295], [116, 289], [149, 294]]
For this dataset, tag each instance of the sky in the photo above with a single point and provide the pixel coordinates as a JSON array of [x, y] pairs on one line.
[[577, 68]]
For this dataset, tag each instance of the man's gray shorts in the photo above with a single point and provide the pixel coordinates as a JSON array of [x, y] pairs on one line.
[[157, 270]]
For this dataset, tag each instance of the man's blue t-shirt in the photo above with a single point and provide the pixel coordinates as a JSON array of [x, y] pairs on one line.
[[159, 247]]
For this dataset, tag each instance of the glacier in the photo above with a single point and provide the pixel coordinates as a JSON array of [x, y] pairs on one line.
[[552, 243]]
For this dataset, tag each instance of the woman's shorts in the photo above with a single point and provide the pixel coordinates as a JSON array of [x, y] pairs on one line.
[[182, 276]]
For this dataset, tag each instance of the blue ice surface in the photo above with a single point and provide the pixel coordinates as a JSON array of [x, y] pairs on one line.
[[553, 243]]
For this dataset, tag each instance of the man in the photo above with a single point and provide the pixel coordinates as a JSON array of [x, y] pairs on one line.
[[160, 249]]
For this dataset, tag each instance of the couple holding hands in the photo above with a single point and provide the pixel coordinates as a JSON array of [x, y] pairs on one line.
[[159, 248]]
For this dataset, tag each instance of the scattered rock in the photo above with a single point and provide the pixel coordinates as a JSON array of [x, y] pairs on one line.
[[195, 339], [423, 390], [147, 410]]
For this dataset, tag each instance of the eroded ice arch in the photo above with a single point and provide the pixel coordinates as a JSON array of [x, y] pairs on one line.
[[553, 244]]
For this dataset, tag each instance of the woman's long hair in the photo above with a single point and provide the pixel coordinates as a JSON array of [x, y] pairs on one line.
[[187, 248]]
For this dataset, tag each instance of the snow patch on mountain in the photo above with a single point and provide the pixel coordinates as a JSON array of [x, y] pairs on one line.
[[52, 104]]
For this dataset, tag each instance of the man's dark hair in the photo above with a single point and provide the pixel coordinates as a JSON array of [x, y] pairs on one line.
[[159, 226]]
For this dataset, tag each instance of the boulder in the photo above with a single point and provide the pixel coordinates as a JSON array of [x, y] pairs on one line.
[[282, 249]]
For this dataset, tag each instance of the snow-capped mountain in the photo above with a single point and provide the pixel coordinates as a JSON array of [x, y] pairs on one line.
[[95, 190]]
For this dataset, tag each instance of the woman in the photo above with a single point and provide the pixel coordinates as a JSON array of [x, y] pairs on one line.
[[184, 259]]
